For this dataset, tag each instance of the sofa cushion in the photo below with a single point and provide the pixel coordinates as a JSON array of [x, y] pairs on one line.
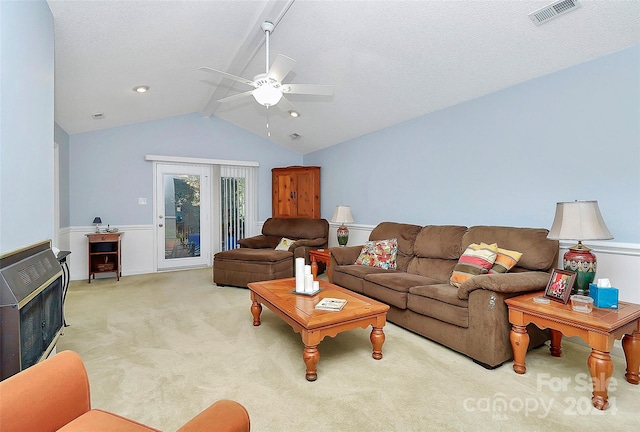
[[296, 228], [505, 261], [435, 241], [98, 420], [538, 252], [477, 259], [392, 287], [246, 254], [379, 253], [406, 235], [435, 268], [440, 302]]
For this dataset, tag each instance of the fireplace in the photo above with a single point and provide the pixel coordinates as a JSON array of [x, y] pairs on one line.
[[31, 302]]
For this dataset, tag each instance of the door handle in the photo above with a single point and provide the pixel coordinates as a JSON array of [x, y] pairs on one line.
[[160, 225]]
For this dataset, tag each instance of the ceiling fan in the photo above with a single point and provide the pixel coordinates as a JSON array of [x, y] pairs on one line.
[[268, 88]]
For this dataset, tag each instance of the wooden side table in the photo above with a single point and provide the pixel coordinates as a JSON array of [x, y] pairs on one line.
[[320, 255], [599, 329], [104, 254]]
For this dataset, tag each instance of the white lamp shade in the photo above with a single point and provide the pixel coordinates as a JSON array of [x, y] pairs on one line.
[[267, 95], [342, 215], [579, 220]]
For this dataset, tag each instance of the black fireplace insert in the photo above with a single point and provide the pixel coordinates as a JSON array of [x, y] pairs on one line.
[[31, 307]]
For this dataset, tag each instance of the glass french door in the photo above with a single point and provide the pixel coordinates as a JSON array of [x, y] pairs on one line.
[[182, 207]]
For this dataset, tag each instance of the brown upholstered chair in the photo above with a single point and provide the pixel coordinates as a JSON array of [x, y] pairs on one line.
[[257, 260], [54, 396]]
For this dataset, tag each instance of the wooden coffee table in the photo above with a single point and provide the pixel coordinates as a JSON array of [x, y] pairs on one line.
[[598, 328], [314, 325]]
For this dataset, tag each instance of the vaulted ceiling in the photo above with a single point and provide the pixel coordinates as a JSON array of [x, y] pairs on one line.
[[388, 61]]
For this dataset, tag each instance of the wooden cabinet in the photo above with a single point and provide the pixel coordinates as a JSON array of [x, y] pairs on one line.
[[296, 192], [104, 254]]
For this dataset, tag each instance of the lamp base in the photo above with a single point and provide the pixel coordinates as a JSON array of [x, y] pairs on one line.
[[582, 261], [343, 235]]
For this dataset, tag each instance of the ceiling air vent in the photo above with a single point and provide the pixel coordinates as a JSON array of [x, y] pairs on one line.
[[554, 10], [98, 116]]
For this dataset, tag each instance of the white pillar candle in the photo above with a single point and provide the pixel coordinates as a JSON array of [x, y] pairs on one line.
[[299, 274], [316, 286], [308, 283], [307, 269]]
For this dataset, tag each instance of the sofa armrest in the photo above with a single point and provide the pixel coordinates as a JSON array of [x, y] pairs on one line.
[[505, 283], [345, 255], [45, 396], [256, 242], [316, 242], [222, 416]]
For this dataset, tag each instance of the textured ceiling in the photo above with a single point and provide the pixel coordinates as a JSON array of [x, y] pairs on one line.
[[389, 61]]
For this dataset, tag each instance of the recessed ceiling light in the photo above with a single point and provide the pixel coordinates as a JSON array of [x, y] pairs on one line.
[[294, 114], [141, 89]]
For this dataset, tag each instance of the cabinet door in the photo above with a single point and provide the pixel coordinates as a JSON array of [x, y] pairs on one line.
[[305, 195], [283, 189], [296, 192]]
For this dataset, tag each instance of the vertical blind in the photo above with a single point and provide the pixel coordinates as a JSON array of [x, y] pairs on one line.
[[238, 203]]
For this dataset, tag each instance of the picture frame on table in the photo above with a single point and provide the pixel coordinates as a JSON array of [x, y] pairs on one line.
[[560, 285]]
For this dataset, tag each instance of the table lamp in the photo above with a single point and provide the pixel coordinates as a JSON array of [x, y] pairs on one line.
[[97, 221], [342, 215], [579, 220]]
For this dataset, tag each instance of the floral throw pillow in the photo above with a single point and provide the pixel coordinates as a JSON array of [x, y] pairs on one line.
[[380, 253], [284, 244]]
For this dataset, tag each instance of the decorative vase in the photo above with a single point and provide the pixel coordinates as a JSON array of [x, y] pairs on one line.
[[343, 235], [582, 261]]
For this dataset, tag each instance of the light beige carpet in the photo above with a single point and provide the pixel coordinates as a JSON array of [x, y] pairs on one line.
[[159, 348]]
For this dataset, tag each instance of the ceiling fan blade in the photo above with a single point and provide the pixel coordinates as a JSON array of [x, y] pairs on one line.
[[233, 77], [281, 67], [310, 89], [236, 96], [285, 104]]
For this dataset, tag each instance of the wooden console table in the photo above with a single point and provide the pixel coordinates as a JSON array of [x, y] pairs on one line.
[[598, 328]]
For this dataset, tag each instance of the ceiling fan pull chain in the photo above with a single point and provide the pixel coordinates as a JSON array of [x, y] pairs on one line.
[[268, 131]]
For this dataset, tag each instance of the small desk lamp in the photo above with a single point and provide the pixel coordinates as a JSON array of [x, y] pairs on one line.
[[342, 215], [97, 221], [579, 220]]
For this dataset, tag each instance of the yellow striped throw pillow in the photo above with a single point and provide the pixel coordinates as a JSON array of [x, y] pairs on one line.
[[477, 259], [505, 261]]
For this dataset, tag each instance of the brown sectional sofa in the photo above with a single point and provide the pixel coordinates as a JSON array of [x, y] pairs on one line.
[[471, 319], [257, 260]]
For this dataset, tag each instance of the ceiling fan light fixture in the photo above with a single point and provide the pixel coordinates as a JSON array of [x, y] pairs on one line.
[[267, 95], [141, 89], [294, 113]]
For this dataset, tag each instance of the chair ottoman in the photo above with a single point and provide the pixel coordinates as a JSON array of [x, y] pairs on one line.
[[239, 267]]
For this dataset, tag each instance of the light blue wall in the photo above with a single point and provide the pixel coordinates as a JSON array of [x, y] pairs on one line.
[[108, 171], [62, 140], [503, 159], [26, 124]]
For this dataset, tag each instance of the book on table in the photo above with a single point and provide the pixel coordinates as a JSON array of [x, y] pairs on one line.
[[331, 304]]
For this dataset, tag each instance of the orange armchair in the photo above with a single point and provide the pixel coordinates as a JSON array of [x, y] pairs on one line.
[[54, 396]]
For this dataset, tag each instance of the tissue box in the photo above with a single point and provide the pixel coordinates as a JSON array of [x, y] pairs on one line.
[[603, 297]]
